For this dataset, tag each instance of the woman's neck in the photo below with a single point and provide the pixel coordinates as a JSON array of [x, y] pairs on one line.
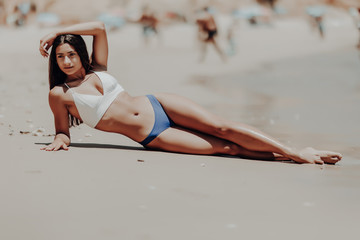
[[76, 76]]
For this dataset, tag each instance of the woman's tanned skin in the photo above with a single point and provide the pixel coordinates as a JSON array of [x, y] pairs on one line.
[[196, 130]]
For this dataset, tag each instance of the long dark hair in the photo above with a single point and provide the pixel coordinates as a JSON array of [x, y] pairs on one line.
[[58, 77]]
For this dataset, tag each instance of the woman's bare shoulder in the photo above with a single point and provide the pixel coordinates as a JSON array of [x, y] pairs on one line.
[[57, 93]]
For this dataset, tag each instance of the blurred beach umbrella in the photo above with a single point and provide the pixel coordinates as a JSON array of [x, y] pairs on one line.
[[158, 5], [354, 12], [70, 11], [112, 20], [316, 11], [48, 19], [249, 12]]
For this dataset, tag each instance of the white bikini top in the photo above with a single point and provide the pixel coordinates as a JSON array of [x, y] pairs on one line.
[[92, 107]]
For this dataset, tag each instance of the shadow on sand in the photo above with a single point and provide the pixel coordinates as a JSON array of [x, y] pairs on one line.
[[99, 145], [122, 147]]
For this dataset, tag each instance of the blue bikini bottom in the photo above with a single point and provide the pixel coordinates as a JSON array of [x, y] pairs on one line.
[[162, 121]]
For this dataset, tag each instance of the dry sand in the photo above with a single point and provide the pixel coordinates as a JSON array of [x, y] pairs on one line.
[[284, 80]]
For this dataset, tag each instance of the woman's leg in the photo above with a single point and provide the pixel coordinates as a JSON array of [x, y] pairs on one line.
[[177, 139], [190, 115]]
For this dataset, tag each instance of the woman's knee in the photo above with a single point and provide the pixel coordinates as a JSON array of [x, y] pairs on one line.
[[221, 128], [230, 148]]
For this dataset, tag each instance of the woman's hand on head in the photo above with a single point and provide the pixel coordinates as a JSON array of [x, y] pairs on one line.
[[55, 146], [45, 43]]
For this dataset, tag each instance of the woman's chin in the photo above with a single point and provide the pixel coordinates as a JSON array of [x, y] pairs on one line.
[[68, 71], [74, 71]]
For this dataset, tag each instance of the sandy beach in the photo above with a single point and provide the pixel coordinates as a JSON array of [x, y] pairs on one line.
[[284, 79]]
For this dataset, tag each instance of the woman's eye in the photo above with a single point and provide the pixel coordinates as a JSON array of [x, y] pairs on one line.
[[72, 54], [59, 56]]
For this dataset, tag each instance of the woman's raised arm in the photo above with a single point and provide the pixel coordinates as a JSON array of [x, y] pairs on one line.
[[100, 44]]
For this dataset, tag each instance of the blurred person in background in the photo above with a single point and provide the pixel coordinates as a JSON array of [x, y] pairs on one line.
[[20, 13], [231, 34], [149, 23], [230, 38], [270, 3], [358, 27], [207, 33], [355, 14], [2, 13], [316, 18], [82, 91], [319, 24]]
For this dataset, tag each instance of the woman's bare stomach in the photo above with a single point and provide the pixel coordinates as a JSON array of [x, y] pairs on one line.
[[130, 116]]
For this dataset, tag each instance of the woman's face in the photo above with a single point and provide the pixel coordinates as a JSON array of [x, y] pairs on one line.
[[68, 59]]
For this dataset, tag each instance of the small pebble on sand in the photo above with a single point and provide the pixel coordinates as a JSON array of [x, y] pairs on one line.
[[41, 129], [142, 207], [36, 134], [231, 226], [308, 204]]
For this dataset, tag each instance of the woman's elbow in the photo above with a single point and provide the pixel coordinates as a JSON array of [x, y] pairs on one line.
[[100, 26]]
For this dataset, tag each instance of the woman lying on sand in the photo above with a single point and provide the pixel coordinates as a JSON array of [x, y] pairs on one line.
[[81, 91]]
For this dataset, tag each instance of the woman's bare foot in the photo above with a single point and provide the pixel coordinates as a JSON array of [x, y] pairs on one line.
[[310, 155]]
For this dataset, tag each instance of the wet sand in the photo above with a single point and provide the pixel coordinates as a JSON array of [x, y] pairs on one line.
[[295, 86]]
